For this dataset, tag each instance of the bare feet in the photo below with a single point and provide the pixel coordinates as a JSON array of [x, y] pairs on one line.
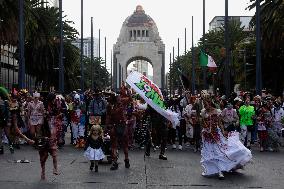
[[55, 172], [42, 177]]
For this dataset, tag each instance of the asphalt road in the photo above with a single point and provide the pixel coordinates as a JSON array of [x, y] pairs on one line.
[[181, 170]]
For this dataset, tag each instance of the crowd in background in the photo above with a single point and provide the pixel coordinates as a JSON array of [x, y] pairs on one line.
[[127, 120]]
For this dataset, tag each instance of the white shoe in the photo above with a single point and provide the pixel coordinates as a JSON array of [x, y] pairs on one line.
[[180, 147], [174, 146], [203, 174], [221, 176]]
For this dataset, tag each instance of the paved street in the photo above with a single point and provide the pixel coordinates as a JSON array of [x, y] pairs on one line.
[[182, 170]]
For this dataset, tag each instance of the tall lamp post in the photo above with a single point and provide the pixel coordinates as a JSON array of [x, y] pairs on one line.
[[192, 63], [227, 78], [61, 65], [92, 55], [258, 50], [21, 78], [82, 48]]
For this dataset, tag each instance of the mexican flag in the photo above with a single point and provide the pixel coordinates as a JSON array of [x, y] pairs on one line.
[[206, 60]]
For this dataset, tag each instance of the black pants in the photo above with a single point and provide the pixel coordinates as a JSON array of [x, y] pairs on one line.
[[181, 131], [161, 137]]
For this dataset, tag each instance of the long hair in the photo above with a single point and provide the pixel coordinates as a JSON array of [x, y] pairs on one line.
[[96, 128]]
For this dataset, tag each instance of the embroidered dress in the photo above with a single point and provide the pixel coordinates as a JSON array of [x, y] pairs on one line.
[[218, 153], [36, 111]]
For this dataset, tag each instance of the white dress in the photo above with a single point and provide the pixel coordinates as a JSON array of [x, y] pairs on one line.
[[94, 154], [218, 153]]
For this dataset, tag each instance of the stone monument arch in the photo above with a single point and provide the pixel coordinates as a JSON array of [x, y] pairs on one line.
[[138, 40]]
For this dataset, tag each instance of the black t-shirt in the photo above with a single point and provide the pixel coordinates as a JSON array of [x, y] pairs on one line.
[[95, 144]]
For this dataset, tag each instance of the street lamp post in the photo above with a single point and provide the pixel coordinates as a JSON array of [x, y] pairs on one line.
[[82, 48], [92, 55], [227, 82], [192, 62], [21, 77], [258, 50], [61, 65]]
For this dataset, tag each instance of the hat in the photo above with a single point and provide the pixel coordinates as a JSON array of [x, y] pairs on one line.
[[36, 95], [223, 97], [77, 96], [238, 99], [229, 105]]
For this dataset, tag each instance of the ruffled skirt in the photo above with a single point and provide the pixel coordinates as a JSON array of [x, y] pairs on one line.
[[94, 154], [224, 154]]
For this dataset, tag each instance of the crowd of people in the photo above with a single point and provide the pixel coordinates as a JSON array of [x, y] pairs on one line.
[[222, 128]]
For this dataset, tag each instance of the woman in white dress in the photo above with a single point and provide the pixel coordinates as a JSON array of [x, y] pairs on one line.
[[219, 154], [35, 115]]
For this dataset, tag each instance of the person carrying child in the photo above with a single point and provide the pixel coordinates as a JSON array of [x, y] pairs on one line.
[[93, 146]]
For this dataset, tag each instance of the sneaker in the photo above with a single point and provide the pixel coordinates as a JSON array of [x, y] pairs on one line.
[[269, 149], [163, 157], [1, 150], [203, 174], [96, 168], [127, 164], [221, 176], [174, 146], [11, 149], [114, 166], [180, 147]]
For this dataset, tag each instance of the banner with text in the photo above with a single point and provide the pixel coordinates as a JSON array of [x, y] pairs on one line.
[[151, 93]]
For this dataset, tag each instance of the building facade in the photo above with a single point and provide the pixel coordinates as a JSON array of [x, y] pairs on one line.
[[139, 39], [218, 21], [87, 46]]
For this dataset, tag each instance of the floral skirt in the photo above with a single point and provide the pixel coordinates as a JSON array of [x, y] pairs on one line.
[[94, 154], [223, 155]]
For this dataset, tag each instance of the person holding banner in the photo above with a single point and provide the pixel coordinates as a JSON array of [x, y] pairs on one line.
[[160, 125]]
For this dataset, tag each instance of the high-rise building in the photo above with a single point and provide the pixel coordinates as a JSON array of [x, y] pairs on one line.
[[54, 3], [218, 21], [87, 46]]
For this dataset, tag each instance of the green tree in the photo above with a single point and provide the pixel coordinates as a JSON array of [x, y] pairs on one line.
[[272, 43]]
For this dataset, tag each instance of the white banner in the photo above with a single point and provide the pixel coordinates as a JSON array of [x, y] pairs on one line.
[[151, 93]]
